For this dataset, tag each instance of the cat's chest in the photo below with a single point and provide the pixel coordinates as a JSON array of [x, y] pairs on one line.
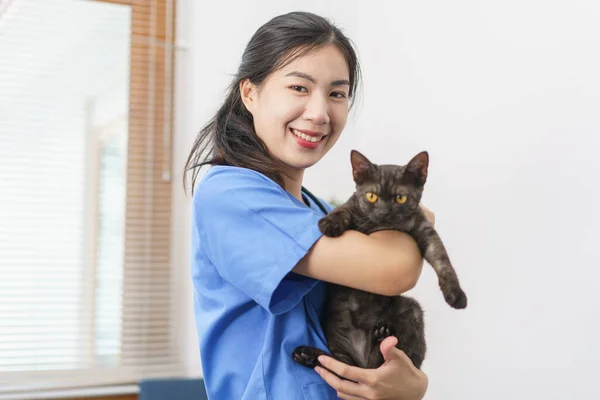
[[367, 226]]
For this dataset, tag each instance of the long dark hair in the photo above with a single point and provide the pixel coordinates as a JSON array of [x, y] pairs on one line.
[[229, 138]]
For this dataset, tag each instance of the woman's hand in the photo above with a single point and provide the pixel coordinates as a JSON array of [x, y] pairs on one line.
[[396, 379], [429, 215]]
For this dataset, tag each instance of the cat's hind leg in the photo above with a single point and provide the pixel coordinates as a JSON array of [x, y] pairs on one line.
[[404, 321], [382, 330], [410, 329], [308, 356]]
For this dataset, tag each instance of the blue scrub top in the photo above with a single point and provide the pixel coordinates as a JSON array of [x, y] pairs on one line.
[[251, 311]]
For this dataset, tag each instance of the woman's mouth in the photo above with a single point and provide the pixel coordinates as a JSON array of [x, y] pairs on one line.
[[310, 141]]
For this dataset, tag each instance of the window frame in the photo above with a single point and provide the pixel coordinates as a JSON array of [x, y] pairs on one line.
[[150, 115]]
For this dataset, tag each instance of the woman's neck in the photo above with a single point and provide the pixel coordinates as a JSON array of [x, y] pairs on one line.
[[292, 182]]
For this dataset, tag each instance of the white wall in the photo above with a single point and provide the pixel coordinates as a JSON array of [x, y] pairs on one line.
[[506, 97]]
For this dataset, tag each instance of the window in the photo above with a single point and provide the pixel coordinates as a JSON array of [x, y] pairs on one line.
[[86, 294]]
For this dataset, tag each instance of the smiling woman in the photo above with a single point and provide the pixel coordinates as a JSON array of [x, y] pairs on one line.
[[259, 258], [303, 105], [331, 87]]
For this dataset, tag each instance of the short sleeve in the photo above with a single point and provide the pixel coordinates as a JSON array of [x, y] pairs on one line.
[[254, 233]]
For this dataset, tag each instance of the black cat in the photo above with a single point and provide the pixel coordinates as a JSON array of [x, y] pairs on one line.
[[355, 322]]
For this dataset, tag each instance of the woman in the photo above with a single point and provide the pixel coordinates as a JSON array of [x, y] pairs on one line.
[[259, 260]]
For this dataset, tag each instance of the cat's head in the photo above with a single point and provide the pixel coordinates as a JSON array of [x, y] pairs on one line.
[[388, 192]]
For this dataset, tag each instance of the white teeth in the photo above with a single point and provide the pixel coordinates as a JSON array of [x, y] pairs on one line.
[[306, 137]]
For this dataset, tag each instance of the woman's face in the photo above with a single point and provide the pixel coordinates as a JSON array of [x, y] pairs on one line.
[[300, 110]]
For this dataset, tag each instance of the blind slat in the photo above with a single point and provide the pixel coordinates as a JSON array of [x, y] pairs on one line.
[[86, 294]]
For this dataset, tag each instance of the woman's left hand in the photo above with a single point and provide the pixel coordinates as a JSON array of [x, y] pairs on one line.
[[396, 379], [429, 215]]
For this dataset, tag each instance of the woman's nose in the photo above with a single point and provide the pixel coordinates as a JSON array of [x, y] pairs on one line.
[[317, 110]]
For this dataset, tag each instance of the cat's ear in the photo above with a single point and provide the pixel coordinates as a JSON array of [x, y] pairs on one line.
[[416, 169], [361, 166]]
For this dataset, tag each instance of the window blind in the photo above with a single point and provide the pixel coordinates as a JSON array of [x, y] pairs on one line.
[[86, 284]]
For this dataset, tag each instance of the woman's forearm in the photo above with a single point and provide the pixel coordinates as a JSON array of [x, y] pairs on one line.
[[386, 262], [410, 264]]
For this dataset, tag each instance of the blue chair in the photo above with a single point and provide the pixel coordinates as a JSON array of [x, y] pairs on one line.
[[172, 389]]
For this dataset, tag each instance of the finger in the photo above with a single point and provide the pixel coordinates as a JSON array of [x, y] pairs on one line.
[[341, 386], [387, 345], [390, 352], [349, 372], [345, 396]]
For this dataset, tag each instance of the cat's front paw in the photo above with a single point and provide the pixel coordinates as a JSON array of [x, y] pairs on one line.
[[455, 296], [307, 356], [333, 225], [382, 330]]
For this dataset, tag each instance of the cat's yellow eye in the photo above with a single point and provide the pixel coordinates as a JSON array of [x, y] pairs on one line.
[[371, 197], [401, 199]]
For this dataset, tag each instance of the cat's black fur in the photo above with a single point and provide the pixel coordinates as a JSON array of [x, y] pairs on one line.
[[355, 322]]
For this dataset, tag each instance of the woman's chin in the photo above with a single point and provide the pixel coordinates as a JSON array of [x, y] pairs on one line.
[[302, 161]]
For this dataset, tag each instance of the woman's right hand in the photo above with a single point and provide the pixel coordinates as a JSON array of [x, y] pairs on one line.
[[396, 379]]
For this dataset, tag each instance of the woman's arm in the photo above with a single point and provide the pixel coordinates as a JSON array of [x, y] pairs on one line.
[[385, 262]]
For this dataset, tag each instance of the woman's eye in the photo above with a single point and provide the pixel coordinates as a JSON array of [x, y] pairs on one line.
[[299, 88], [339, 95]]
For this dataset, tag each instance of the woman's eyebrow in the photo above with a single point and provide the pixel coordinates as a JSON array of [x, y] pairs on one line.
[[338, 82], [341, 82]]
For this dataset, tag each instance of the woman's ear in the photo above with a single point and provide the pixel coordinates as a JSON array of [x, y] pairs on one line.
[[248, 92]]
